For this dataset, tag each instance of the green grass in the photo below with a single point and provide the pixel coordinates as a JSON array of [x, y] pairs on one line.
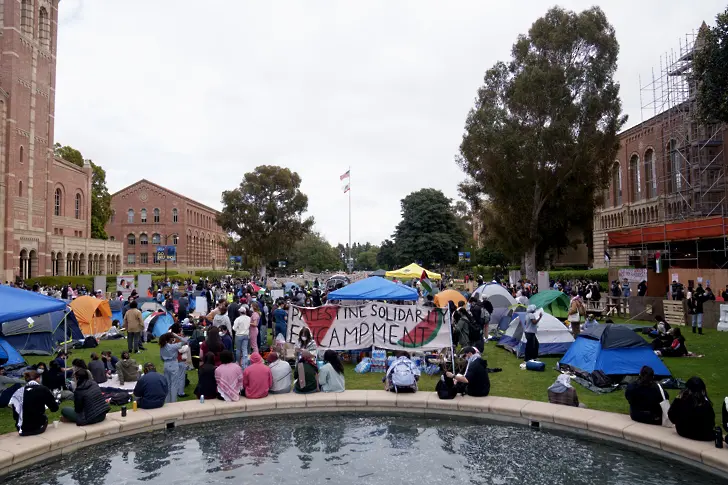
[[512, 382]]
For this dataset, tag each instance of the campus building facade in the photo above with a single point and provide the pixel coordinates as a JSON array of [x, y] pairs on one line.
[[44, 201], [146, 215]]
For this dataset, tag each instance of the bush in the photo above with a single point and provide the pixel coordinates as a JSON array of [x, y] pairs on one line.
[[87, 281], [600, 275]]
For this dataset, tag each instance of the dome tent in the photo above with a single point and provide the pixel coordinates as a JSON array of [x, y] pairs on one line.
[[552, 301], [93, 315], [442, 298], [42, 333], [553, 336], [501, 301]]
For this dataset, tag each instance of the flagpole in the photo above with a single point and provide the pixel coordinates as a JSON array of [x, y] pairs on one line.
[[349, 262]]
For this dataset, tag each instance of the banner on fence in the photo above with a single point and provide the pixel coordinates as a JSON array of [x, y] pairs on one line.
[[633, 275], [351, 327], [125, 284]]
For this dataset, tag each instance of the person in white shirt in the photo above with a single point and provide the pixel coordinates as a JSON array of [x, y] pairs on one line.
[[241, 327], [282, 374]]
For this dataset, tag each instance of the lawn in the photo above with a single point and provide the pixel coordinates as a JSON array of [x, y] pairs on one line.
[[512, 382]]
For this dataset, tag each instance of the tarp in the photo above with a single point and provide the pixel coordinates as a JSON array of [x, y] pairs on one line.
[[9, 354], [161, 322], [374, 288], [17, 303], [413, 270], [613, 350], [441, 299], [381, 272], [42, 335], [552, 301], [497, 295], [553, 336], [93, 315]]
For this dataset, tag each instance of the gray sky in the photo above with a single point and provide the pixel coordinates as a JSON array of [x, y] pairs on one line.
[[192, 98]]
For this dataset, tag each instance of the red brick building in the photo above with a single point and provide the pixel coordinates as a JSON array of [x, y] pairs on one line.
[[44, 201], [146, 215]]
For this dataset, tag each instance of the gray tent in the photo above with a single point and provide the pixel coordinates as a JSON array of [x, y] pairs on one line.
[[379, 272]]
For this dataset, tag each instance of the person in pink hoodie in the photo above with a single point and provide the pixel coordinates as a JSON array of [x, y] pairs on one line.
[[257, 378], [229, 377]]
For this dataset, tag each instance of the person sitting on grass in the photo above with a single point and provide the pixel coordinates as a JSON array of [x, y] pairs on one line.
[[97, 369], [402, 375], [562, 392], [257, 378], [151, 390], [692, 412], [674, 348], [89, 405], [127, 369], [229, 377], [109, 361], [306, 374], [644, 396], [475, 382], [29, 404], [331, 375]]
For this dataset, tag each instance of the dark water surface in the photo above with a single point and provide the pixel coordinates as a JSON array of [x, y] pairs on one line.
[[358, 450]]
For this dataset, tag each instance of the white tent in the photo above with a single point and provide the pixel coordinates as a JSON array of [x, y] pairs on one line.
[[497, 295], [553, 336]]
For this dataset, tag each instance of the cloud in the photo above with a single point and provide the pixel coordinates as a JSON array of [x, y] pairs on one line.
[[193, 98]]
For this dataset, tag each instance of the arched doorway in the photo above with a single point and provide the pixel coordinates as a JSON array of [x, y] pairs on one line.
[[33, 264], [23, 264]]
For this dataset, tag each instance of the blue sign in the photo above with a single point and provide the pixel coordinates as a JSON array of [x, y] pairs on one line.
[[236, 259], [464, 256], [166, 253]]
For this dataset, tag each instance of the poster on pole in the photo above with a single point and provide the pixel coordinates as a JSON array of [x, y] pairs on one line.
[[277, 293], [632, 275], [543, 280], [144, 282], [351, 327], [100, 284], [125, 284]]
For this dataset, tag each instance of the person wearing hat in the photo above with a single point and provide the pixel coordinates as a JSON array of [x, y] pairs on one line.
[[281, 373], [530, 326], [475, 382]]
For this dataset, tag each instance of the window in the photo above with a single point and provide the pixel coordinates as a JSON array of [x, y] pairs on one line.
[[112, 238], [26, 17], [20, 188], [131, 240], [144, 258], [113, 216], [174, 215], [616, 184], [78, 206], [675, 167], [634, 179], [156, 239], [22, 155], [144, 216], [175, 239], [57, 203], [143, 240], [44, 28], [131, 258], [156, 216], [650, 177], [156, 259], [130, 216]]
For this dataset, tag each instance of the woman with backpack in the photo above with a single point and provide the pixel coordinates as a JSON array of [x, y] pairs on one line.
[[306, 374]]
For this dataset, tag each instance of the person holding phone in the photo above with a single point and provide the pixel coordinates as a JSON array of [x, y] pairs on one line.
[[530, 327]]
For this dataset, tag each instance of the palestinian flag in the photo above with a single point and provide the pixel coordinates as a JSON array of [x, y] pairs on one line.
[[426, 284]]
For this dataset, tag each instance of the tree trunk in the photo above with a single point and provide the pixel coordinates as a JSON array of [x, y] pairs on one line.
[[262, 271], [529, 258]]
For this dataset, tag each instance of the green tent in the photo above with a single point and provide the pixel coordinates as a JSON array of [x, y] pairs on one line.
[[552, 301]]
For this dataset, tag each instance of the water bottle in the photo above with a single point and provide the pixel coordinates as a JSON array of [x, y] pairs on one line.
[[718, 437], [123, 411], [202, 399]]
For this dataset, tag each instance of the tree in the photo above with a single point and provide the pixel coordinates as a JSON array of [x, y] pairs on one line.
[[265, 213], [100, 197], [313, 253], [711, 70], [387, 257], [429, 231], [366, 260], [540, 142]]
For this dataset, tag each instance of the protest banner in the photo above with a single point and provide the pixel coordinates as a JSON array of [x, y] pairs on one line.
[[632, 275], [125, 284], [351, 327]]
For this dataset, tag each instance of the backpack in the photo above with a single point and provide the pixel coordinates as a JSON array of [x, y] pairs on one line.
[[445, 388], [119, 398], [485, 316], [90, 342], [402, 375]]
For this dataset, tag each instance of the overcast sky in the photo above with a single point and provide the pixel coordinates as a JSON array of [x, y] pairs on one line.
[[191, 97]]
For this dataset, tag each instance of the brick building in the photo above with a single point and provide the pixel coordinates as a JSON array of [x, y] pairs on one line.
[[669, 188], [145, 215], [44, 201]]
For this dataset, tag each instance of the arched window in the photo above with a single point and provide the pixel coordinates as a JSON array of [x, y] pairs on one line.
[[112, 238], [175, 239], [634, 179], [131, 240], [130, 216], [26, 17], [650, 177], [174, 215], [22, 155], [143, 240], [616, 184], [156, 239], [57, 203], [113, 216], [20, 188], [144, 216], [675, 167], [156, 216], [78, 206], [44, 28]]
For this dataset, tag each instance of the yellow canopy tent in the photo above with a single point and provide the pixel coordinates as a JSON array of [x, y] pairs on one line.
[[412, 271]]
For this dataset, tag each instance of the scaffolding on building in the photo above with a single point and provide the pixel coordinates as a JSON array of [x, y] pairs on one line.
[[693, 183]]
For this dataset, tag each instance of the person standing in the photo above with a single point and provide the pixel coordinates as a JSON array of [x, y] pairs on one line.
[[280, 316], [254, 323], [530, 327], [134, 325], [576, 310], [183, 306], [169, 345], [695, 308], [241, 328]]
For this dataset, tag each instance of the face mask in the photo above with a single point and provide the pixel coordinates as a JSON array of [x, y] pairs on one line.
[[40, 371]]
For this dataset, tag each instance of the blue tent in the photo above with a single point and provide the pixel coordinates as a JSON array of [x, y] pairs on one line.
[[43, 334], [374, 288], [289, 285], [9, 357], [613, 349], [160, 323], [19, 303]]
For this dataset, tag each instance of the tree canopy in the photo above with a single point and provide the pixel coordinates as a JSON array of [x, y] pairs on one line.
[[100, 197], [265, 213], [541, 140], [314, 253], [711, 70], [429, 232], [387, 255]]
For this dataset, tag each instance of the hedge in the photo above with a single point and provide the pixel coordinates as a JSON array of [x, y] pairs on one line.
[[87, 281], [600, 275]]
